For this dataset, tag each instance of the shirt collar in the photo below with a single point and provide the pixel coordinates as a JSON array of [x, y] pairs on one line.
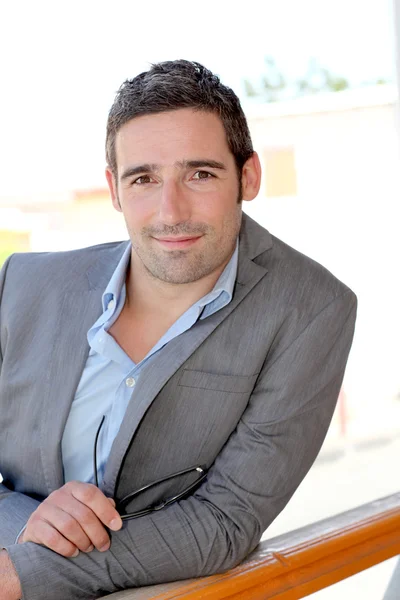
[[116, 285], [222, 292]]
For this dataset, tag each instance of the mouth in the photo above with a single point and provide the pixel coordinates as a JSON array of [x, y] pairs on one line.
[[176, 243]]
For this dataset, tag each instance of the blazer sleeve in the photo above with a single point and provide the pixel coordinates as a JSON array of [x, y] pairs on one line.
[[254, 476], [3, 272], [15, 508]]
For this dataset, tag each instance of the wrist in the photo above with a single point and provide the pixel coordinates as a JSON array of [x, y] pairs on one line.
[[10, 588]]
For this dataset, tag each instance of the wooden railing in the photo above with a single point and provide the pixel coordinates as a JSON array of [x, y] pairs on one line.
[[300, 562]]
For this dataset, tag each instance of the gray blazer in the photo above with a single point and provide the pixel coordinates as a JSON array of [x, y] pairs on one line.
[[248, 392]]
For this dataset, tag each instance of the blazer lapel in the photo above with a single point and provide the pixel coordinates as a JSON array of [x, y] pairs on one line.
[[67, 352], [164, 364], [77, 313]]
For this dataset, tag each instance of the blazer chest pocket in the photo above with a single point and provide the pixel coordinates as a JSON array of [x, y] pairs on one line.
[[201, 380], [217, 403]]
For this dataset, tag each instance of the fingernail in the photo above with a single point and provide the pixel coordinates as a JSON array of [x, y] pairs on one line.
[[91, 547], [115, 524], [104, 548], [76, 553]]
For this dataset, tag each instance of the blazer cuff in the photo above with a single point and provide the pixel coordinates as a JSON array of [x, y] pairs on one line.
[[15, 510]]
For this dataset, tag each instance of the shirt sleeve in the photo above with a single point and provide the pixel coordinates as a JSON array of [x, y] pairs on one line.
[[20, 533]]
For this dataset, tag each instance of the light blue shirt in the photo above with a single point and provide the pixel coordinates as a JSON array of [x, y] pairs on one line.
[[109, 376]]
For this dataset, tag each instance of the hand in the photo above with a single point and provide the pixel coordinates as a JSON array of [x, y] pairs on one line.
[[72, 519]]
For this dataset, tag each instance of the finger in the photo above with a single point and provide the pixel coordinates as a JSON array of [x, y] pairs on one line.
[[94, 499], [112, 501], [48, 536], [63, 522], [92, 527]]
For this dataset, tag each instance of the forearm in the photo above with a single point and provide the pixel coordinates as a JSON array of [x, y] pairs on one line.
[[171, 545], [10, 588]]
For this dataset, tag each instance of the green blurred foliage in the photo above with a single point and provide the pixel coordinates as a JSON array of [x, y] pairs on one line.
[[4, 253], [274, 86]]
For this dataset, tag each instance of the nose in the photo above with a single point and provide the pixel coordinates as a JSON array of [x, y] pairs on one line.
[[174, 204]]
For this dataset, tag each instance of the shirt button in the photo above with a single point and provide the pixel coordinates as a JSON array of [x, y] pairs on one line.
[[130, 382], [111, 304]]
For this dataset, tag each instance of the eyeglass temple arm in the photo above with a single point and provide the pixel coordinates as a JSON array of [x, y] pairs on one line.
[[199, 469], [96, 479]]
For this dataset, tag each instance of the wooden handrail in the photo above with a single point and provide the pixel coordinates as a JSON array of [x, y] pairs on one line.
[[300, 562]]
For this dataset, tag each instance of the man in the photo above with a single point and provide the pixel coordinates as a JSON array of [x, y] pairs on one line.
[[214, 351]]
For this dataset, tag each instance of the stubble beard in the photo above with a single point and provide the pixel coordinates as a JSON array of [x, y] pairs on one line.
[[187, 266]]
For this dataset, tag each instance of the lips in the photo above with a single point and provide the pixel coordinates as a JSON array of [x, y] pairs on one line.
[[182, 242], [176, 239]]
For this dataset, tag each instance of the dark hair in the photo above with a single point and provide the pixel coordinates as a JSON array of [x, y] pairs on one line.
[[178, 84]]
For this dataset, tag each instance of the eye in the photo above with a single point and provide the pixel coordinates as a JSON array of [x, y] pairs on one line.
[[143, 179], [202, 175]]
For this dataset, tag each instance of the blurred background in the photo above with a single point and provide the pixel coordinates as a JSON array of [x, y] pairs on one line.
[[318, 83]]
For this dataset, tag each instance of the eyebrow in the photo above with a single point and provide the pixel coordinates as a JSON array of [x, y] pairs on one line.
[[185, 164], [131, 171], [198, 164]]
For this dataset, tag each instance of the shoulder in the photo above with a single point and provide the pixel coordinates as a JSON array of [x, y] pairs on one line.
[[294, 268], [82, 256], [49, 270], [293, 280]]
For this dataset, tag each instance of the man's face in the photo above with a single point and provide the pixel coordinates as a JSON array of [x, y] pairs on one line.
[[178, 189]]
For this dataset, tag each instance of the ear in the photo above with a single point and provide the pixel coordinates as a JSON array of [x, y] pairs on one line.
[[112, 186], [251, 177]]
